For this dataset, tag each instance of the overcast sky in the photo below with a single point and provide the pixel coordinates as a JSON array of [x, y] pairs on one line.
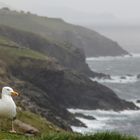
[[120, 8], [68, 9]]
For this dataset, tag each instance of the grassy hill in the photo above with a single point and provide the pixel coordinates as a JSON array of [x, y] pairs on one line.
[[70, 136], [60, 32]]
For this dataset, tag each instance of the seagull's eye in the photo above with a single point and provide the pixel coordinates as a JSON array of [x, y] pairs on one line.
[[8, 89]]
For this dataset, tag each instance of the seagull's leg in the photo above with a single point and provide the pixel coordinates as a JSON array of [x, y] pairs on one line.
[[0, 124], [13, 130]]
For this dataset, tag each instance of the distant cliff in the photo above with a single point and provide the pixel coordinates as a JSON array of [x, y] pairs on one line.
[[60, 32]]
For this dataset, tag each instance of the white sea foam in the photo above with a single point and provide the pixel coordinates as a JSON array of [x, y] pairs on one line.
[[136, 55], [111, 58], [103, 120], [107, 58], [92, 125], [99, 112], [118, 79]]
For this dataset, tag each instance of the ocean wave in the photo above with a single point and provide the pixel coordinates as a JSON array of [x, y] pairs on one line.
[[90, 127], [136, 55], [107, 58], [106, 115], [111, 58], [118, 79], [99, 112], [105, 120]]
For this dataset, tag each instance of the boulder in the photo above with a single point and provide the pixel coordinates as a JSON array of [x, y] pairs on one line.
[[26, 128]]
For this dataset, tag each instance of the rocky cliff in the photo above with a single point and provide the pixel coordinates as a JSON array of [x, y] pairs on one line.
[[49, 89]]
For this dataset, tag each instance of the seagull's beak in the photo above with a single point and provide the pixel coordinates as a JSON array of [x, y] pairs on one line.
[[13, 93]]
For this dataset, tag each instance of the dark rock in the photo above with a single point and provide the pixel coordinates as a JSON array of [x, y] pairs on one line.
[[122, 77], [26, 128], [130, 75], [138, 101], [103, 76], [84, 116], [138, 76], [69, 88]]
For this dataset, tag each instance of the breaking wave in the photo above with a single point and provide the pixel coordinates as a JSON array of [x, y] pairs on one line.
[[118, 79], [106, 120], [111, 58]]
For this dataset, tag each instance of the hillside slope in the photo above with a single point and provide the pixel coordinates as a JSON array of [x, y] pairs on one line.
[[48, 89], [56, 30], [66, 55]]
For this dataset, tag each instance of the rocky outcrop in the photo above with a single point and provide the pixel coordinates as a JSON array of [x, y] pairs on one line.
[[26, 128], [84, 116], [138, 101], [68, 89]]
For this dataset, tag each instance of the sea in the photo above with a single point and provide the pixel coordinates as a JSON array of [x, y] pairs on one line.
[[124, 81]]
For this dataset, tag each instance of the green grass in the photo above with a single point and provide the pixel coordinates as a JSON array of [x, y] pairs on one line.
[[43, 125], [14, 53], [69, 136], [6, 42], [97, 136], [13, 50], [37, 121], [9, 136]]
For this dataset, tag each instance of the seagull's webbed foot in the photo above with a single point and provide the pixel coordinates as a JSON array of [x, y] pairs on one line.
[[12, 131]]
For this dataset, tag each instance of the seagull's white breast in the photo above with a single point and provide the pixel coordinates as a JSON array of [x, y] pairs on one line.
[[7, 107]]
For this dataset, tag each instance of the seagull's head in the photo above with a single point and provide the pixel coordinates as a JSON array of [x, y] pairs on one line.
[[9, 91]]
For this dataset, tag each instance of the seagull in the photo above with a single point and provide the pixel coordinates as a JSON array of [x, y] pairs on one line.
[[7, 105]]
